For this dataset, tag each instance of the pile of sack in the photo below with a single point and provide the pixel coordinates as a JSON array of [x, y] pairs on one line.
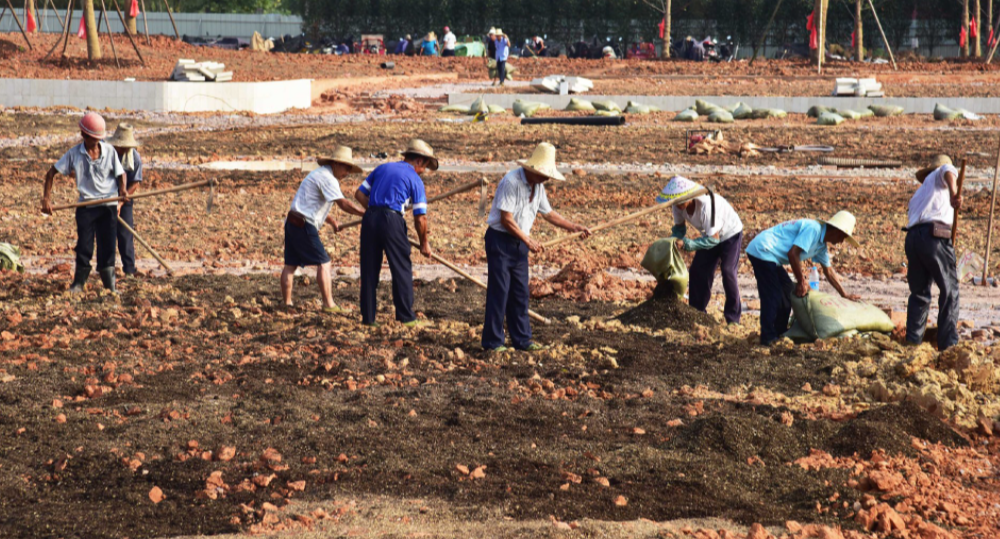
[[478, 106], [823, 316], [726, 115], [834, 116]]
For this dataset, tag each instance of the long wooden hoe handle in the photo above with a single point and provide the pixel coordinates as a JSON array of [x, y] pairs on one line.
[[121, 222], [961, 181], [145, 194], [467, 187]]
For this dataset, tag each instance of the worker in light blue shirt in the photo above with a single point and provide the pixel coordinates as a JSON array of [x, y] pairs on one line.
[[790, 243], [502, 44], [386, 193]]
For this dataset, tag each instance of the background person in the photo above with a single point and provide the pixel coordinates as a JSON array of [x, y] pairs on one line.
[[430, 45], [449, 40], [503, 51], [127, 149]]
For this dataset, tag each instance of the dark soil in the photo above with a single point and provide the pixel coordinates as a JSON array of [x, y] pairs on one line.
[[890, 428], [665, 310]]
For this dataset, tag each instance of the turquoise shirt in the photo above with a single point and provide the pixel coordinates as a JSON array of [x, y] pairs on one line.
[[773, 244]]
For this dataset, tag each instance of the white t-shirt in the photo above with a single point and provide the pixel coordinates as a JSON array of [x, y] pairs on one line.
[[727, 223], [316, 196], [932, 201], [513, 194], [449, 41]]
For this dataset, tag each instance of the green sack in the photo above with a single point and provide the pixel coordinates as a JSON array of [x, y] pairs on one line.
[[491, 66], [10, 258], [705, 108], [742, 111], [579, 105], [478, 106], [497, 109], [942, 112], [816, 111], [607, 113], [461, 109], [848, 114], [866, 113], [720, 117], [688, 115], [829, 118], [884, 111], [822, 316], [664, 261], [760, 114], [635, 108], [606, 105], [528, 108]]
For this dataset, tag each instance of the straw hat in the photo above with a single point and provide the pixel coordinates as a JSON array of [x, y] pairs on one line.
[[492, 32], [499, 32], [939, 161], [844, 221], [677, 187], [543, 161], [431, 36], [124, 137], [343, 155], [421, 148]]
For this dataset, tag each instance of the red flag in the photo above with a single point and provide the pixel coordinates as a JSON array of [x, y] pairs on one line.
[[813, 35], [852, 40], [662, 26], [973, 29], [31, 21], [81, 32], [991, 39], [962, 37], [134, 10]]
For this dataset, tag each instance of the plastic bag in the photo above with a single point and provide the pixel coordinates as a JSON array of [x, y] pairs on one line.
[[705, 108], [822, 316], [829, 118], [528, 108], [688, 115], [721, 117], [580, 105], [884, 111], [665, 262], [606, 105], [10, 258], [816, 111], [742, 111]]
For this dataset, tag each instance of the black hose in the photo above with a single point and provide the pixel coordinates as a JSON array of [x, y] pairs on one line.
[[584, 120]]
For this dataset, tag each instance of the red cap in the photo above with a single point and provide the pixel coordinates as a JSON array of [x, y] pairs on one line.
[[93, 125]]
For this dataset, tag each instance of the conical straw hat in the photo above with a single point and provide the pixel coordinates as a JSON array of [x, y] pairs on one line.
[[543, 161]]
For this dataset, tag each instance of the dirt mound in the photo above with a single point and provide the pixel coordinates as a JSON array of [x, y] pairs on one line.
[[890, 428], [743, 437], [666, 310], [585, 279]]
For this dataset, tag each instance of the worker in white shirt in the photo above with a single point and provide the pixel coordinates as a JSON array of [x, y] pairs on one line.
[[449, 42]]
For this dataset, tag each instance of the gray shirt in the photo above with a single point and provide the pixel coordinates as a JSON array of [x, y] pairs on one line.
[[316, 196], [513, 194], [96, 179]]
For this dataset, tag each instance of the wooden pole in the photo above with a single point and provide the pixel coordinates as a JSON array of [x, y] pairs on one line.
[[127, 33], [479, 283], [767, 28], [146, 245], [467, 187], [69, 22], [859, 33], [885, 40], [55, 45], [989, 229], [627, 218], [111, 37], [170, 13], [55, 10], [145, 22], [979, 30], [961, 181], [143, 194], [820, 43], [996, 39], [18, 21]]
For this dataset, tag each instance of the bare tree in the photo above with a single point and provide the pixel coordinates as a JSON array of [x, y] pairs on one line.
[[93, 41], [979, 30], [859, 33], [29, 8], [663, 8], [820, 8], [965, 28]]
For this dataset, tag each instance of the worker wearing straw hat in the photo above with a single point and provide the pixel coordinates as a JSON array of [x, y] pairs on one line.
[[720, 243], [99, 175], [930, 254], [127, 149], [385, 193], [430, 45], [503, 52], [790, 243], [317, 194], [520, 196]]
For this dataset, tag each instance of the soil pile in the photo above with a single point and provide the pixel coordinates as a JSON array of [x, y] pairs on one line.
[[666, 311], [586, 280]]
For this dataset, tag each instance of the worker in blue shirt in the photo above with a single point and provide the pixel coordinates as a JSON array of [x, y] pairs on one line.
[[127, 149], [385, 194]]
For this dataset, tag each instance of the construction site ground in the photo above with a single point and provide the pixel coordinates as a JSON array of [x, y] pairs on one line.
[[195, 405]]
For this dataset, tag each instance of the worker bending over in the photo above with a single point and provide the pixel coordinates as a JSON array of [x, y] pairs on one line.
[[930, 255], [127, 149], [719, 245], [317, 194], [520, 196], [790, 243], [385, 194], [99, 175]]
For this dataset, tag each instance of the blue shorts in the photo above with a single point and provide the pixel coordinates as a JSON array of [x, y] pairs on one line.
[[303, 246]]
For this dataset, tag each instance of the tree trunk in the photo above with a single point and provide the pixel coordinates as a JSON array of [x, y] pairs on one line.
[[29, 7], [93, 41], [979, 30], [667, 41], [859, 33], [130, 21], [819, 19], [965, 26]]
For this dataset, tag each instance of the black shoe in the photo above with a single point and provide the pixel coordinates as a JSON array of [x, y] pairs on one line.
[[79, 279], [108, 278]]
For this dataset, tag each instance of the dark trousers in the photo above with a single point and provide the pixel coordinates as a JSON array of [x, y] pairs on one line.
[[446, 53], [931, 260], [775, 290], [126, 245], [383, 231], [96, 223], [702, 275], [502, 70], [506, 291]]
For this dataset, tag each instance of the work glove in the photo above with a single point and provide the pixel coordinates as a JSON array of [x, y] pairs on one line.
[[700, 244]]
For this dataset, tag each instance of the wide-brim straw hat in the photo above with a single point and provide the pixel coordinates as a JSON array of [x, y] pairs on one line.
[[343, 155], [500, 32], [844, 221], [677, 187], [431, 36], [543, 161], [939, 161], [492, 32], [421, 148], [124, 137]]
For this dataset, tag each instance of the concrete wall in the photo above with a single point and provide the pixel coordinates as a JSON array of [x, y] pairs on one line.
[[912, 105], [258, 97], [192, 24]]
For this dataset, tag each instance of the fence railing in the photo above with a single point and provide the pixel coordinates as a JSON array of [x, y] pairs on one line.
[[192, 24]]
